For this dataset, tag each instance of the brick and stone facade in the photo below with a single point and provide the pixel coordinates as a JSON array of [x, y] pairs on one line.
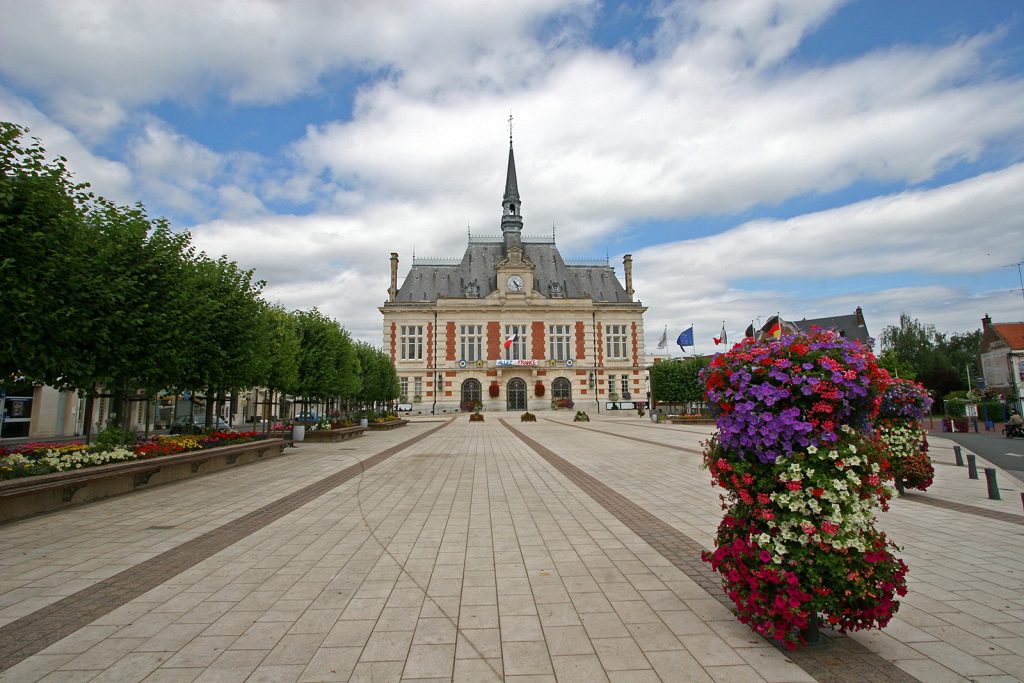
[[574, 324]]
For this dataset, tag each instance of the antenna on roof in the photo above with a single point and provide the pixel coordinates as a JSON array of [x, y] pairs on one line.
[[469, 233], [552, 231], [1019, 275], [509, 127]]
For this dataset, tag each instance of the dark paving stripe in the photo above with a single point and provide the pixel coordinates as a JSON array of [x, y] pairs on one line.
[[837, 659], [963, 507], [625, 436], [34, 632]]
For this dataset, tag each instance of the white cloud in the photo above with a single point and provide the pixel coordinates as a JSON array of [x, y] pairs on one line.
[[109, 178], [259, 51], [716, 119], [955, 230]]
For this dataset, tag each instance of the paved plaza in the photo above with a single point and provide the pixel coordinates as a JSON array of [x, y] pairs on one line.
[[450, 550]]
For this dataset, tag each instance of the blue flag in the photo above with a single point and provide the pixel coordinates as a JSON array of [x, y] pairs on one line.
[[685, 337]]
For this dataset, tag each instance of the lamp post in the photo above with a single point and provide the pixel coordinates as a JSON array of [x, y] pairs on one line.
[[592, 381]]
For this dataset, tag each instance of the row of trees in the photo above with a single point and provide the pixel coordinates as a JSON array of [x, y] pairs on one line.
[[97, 295], [941, 362], [678, 382]]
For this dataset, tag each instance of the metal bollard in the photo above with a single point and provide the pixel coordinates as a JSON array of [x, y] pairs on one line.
[[959, 456], [990, 479], [972, 466], [1022, 498]]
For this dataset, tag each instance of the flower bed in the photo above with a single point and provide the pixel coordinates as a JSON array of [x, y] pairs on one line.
[[43, 458], [30, 495], [803, 474]]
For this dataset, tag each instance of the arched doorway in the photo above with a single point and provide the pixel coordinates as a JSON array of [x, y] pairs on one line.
[[561, 392], [471, 394], [516, 394]]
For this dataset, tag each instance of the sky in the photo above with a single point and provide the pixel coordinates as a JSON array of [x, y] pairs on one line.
[[754, 156]]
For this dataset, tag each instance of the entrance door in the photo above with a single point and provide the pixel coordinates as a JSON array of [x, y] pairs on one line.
[[470, 394], [516, 393]]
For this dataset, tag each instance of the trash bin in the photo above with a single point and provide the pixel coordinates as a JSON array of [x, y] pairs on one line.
[[298, 432], [364, 422]]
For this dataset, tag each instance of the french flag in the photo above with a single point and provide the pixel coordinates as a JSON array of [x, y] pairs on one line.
[[508, 342]]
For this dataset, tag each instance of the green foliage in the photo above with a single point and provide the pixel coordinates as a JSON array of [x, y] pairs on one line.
[[112, 437], [678, 381], [380, 382], [938, 362], [328, 361], [99, 294], [895, 366]]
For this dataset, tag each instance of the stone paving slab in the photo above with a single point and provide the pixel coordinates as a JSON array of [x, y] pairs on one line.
[[469, 556]]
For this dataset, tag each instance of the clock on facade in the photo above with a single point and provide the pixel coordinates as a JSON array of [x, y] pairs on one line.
[[515, 283]]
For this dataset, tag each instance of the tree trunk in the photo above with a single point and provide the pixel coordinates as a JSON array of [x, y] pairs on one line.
[[90, 400]]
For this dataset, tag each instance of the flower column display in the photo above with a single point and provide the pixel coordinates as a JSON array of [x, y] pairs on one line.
[[796, 457], [901, 435]]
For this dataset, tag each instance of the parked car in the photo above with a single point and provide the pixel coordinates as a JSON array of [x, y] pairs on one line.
[[194, 424]]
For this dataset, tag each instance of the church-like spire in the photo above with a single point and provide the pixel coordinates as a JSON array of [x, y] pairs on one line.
[[511, 206], [511, 185]]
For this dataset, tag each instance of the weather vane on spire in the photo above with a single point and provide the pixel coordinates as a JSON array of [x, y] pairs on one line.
[[510, 127]]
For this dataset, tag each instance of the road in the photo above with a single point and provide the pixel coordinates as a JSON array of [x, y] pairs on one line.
[[994, 447]]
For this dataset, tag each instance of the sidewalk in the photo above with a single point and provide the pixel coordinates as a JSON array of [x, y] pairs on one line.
[[473, 552]]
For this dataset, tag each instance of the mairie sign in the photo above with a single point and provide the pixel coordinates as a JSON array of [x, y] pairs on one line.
[[515, 363]]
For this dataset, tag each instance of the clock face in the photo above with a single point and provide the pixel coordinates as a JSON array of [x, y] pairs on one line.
[[515, 283]]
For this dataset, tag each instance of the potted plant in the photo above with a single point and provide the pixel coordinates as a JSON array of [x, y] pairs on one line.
[[612, 396], [417, 398], [527, 417]]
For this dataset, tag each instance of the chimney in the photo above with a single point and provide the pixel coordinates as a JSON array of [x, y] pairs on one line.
[[393, 291], [860, 316], [985, 322], [627, 265]]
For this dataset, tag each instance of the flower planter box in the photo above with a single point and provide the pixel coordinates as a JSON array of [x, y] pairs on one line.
[[27, 496], [391, 424], [692, 420], [325, 435]]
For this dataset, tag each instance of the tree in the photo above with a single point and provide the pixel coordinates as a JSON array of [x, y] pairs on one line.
[[44, 253], [678, 381], [941, 364]]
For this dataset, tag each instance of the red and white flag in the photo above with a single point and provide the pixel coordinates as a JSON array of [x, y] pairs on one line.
[[508, 342]]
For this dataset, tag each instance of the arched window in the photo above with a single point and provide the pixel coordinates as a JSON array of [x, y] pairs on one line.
[[470, 395], [516, 394], [561, 389]]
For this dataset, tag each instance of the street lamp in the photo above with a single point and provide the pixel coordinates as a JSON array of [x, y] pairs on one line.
[[592, 381]]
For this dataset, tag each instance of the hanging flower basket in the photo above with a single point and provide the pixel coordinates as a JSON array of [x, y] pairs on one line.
[[538, 389], [803, 474], [493, 390]]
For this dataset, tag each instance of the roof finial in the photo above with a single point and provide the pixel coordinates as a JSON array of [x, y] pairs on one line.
[[509, 127]]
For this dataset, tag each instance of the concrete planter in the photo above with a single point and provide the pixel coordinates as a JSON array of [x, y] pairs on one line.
[[692, 420], [332, 435], [382, 426], [29, 496]]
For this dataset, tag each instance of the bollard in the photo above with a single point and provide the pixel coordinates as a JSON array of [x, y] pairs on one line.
[[959, 456], [1022, 498], [972, 466], [990, 479], [975, 421]]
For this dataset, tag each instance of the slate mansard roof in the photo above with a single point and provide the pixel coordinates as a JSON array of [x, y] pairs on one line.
[[430, 279], [849, 326]]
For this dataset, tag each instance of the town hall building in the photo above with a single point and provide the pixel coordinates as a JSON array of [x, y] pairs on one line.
[[513, 326]]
